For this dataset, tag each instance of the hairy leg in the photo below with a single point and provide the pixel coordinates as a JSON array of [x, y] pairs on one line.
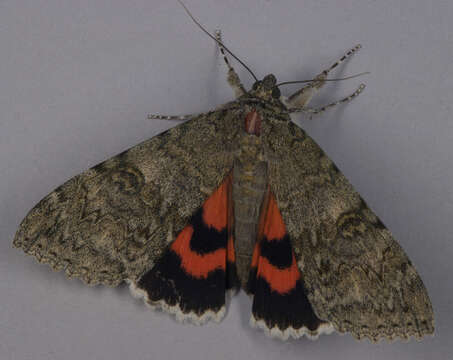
[[233, 78], [302, 97]]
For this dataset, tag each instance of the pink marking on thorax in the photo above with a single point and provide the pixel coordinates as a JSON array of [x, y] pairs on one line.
[[253, 123]]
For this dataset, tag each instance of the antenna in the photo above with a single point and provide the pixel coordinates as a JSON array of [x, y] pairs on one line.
[[217, 41]]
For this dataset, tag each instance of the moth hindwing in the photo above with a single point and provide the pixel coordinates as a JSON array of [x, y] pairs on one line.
[[236, 198]]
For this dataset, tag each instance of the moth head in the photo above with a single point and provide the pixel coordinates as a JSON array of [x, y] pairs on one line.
[[266, 88]]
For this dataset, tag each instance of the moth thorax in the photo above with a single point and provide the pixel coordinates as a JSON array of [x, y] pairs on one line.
[[253, 123]]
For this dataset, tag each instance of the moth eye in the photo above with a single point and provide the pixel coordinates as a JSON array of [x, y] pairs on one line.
[[276, 92]]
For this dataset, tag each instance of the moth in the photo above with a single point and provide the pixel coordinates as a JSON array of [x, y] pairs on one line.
[[236, 198]]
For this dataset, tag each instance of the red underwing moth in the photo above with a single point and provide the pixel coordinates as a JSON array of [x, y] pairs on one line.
[[236, 198]]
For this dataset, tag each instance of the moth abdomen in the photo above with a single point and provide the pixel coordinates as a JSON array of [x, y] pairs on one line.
[[250, 184]]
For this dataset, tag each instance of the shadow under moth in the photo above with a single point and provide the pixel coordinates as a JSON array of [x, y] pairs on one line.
[[236, 198]]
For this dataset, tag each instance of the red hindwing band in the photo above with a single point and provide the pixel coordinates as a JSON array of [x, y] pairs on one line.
[[198, 266]]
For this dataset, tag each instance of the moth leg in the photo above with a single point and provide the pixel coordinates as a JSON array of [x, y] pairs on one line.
[[233, 78], [303, 96], [170, 117], [181, 117], [314, 111]]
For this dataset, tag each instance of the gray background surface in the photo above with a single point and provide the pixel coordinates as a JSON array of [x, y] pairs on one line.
[[77, 79]]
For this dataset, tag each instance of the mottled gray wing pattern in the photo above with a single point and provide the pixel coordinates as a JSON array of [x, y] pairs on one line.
[[356, 275], [111, 222]]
